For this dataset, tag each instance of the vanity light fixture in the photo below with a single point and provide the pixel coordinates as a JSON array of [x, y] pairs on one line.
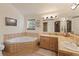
[[49, 17]]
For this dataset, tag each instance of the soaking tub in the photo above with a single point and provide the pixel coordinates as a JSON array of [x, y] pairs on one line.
[[20, 45]]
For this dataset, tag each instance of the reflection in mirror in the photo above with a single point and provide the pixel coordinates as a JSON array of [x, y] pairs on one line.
[[68, 26], [45, 26], [57, 26]]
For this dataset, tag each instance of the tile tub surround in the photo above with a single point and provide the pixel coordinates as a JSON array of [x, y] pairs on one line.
[[20, 48], [32, 46], [9, 36]]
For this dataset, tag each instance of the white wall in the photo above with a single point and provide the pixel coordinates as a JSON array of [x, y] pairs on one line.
[[7, 10]]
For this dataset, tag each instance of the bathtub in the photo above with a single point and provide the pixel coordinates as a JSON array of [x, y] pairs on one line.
[[20, 45], [20, 40]]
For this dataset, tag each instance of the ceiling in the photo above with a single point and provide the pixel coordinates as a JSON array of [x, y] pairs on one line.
[[42, 8]]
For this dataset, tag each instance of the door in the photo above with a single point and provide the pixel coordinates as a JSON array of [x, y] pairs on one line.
[[68, 26], [57, 26]]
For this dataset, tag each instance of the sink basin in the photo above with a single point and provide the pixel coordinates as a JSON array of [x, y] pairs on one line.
[[70, 46]]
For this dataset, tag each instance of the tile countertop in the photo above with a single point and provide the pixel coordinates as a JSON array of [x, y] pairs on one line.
[[60, 40]]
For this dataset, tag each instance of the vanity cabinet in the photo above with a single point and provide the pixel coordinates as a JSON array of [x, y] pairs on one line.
[[50, 43]]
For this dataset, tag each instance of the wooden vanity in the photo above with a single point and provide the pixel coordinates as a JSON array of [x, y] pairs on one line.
[[49, 42], [53, 43]]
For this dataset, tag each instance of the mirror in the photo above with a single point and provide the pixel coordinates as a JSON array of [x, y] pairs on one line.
[[57, 26], [68, 26], [45, 26]]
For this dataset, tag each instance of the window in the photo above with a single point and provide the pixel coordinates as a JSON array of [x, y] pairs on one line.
[[31, 24]]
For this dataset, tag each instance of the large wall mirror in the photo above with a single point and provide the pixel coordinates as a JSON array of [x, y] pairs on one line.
[[57, 26]]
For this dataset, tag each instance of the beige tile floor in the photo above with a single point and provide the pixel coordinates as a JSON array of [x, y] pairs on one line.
[[42, 52], [39, 52]]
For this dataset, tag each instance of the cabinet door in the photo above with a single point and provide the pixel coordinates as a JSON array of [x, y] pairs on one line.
[[44, 42], [54, 44]]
